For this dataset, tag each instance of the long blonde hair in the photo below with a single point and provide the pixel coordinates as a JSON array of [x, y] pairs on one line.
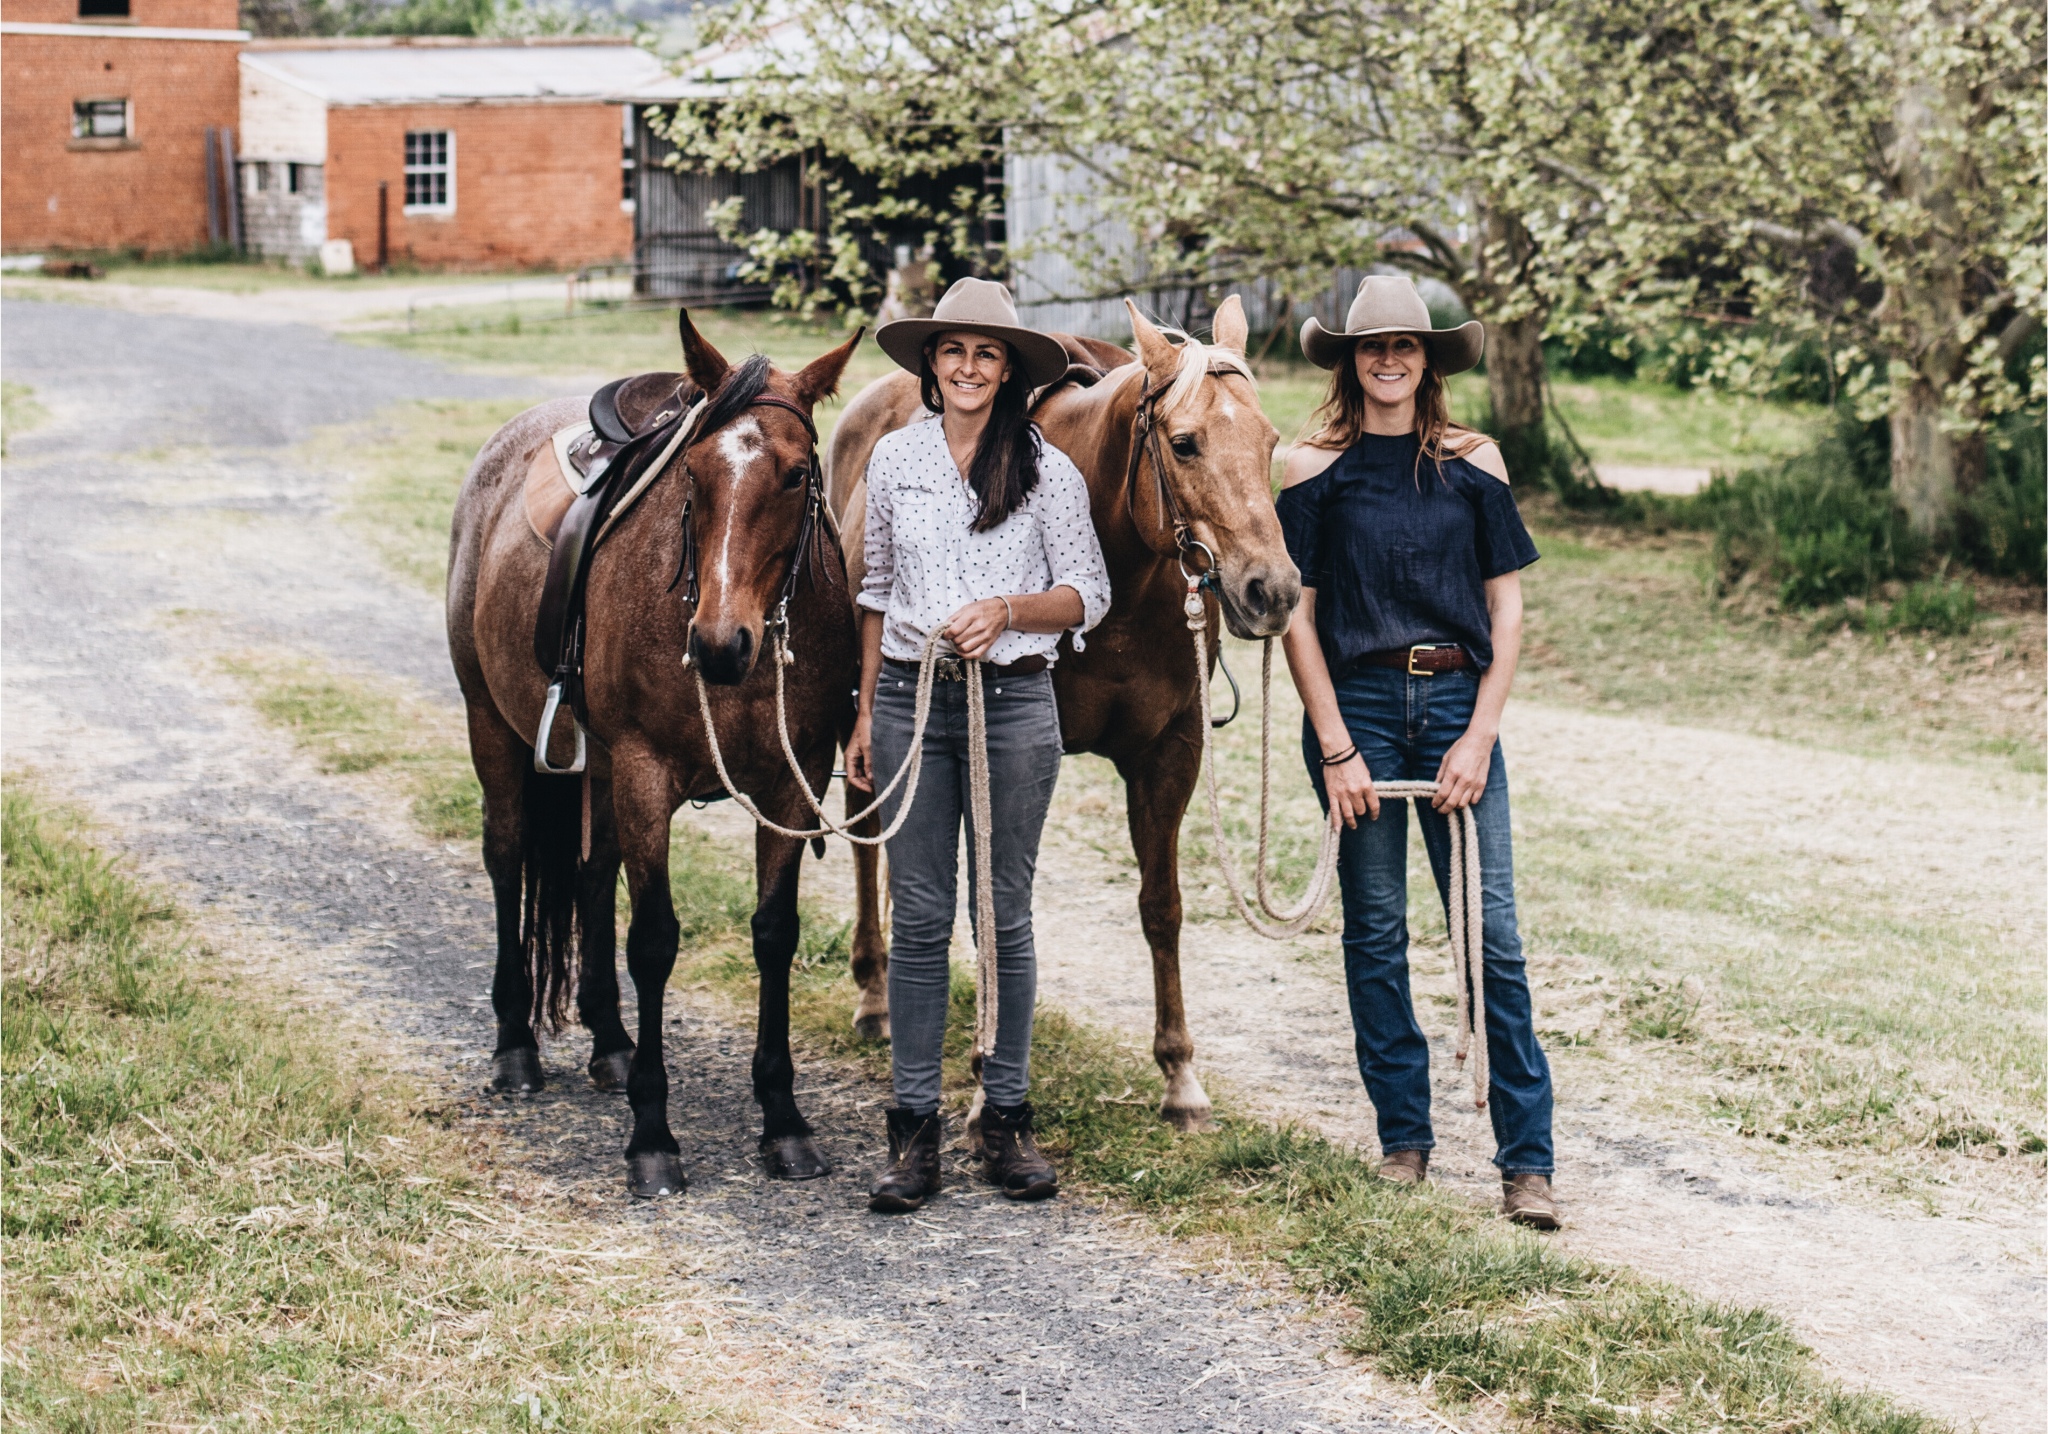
[[1342, 415]]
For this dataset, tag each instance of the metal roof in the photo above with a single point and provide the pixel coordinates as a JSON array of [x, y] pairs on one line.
[[428, 74]]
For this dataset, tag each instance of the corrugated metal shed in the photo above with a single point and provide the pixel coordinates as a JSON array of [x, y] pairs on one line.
[[452, 74]]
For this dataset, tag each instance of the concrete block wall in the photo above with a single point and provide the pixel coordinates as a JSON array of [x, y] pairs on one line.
[[536, 185]]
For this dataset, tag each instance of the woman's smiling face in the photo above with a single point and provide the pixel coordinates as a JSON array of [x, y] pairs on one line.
[[970, 368], [1390, 367]]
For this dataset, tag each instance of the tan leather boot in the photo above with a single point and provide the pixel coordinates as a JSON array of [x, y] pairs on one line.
[[1526, 1200], [1405, 1167]]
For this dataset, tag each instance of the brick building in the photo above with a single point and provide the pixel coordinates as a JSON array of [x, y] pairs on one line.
[[105, 111], [442, 153]]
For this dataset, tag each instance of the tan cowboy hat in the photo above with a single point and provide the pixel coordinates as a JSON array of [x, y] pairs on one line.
[[1388, 304], [980, 306]]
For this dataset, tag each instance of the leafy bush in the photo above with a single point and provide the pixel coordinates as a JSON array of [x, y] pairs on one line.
[[1815, 526], [2000, 527], [1946, 609]]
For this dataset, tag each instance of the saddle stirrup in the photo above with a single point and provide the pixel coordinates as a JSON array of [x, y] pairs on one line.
[[548, 715]]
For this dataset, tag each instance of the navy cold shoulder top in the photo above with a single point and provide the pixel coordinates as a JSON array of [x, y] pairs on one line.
[[1400, 556]]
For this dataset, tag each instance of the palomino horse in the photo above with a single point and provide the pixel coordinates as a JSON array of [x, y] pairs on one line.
[[734, 501], [1130, 695]]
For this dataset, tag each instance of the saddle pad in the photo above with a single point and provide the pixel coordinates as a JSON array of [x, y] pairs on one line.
[[548, 491]]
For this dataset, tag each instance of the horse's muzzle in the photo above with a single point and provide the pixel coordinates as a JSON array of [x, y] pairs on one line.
[[725, 662], [1259, 598]]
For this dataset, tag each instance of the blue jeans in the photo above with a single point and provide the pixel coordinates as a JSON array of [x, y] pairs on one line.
[[924, 865], [1403, 725]]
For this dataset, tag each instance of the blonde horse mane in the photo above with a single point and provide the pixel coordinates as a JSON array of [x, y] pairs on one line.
[[1197, 361]]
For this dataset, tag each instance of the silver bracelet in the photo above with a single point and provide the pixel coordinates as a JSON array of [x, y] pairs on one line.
[[1009, 613]]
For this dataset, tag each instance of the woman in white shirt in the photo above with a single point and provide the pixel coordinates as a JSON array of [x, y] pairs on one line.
[[977, 527]]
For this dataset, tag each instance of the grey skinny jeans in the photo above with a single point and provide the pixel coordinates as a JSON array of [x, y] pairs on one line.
[[1023, 765]]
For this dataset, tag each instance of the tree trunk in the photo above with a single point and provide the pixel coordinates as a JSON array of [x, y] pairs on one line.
[[1514, 345], [1923, 457], [1514, 378]]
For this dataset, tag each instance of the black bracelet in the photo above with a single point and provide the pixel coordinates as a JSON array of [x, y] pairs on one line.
[[1342, 757]]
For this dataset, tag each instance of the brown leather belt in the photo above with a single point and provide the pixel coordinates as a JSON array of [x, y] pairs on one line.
[[954, 669], [1422, 659]]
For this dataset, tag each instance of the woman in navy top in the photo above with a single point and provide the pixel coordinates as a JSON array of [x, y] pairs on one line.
[[1410, 548]]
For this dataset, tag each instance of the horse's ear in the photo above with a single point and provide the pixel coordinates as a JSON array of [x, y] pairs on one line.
[[819, 378], [706, 364], [1155, 350], [1230, 330]]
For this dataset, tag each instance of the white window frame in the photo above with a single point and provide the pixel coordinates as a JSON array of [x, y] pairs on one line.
[[448, 169], [629, 164]]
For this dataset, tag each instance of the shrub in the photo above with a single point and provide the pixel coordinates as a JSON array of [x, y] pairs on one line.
[[1946, 609], [2000, 526], [1815, 526]]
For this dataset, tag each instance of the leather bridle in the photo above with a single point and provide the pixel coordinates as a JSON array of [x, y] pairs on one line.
[[807, 532]]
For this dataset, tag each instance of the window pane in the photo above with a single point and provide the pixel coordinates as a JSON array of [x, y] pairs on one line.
[[99, 119], [102, 7]]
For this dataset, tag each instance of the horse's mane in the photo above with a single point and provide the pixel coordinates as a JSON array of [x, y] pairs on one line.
[[1197, 360], [741, 385]]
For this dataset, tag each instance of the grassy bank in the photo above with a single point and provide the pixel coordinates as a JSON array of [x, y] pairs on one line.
[[1445, 1294], [217, 1218]]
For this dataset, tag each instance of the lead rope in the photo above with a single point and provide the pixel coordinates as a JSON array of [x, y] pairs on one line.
[[984, 872], [1465, 915]]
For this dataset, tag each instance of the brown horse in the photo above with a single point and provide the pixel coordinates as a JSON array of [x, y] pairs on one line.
[[1130, 695], [737, 492]]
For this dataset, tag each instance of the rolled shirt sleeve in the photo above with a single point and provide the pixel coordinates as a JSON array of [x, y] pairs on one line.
[[878, 541], [1073, 553]]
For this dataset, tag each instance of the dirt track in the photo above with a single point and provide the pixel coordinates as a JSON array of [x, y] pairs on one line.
[[157, 522], [126, 568]]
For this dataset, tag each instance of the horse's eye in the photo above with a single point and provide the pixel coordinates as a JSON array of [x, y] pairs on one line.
[[795, 478], [1184, 446]]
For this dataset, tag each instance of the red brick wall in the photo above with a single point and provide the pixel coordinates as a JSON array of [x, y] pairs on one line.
[[536, 185], [171, 14], [150, 195]]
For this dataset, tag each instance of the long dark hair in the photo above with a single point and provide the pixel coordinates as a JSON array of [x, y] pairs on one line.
[[1341, 416], [1005, 466]]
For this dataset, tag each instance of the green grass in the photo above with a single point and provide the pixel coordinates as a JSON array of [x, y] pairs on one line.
[[352, 724], [217, 1218], [19, 412]]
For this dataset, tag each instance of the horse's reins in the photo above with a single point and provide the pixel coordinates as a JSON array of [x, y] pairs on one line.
[[783, 658]]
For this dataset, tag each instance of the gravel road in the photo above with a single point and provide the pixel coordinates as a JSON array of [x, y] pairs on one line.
[[160, 518]]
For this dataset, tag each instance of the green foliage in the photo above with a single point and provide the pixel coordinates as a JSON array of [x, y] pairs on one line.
[[2002, 527], [480, 18], [1943, 608]]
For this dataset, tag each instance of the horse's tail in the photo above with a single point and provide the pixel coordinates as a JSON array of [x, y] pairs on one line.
[[550, 860]]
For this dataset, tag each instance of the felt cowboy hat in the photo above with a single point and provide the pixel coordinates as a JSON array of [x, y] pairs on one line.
[[1388, 304], [979, 306]]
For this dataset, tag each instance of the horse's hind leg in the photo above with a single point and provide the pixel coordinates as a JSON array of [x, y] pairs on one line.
[[787, 1150], [870, 946], [597, 983], [643, 800], [1159, 782], [502, 762]]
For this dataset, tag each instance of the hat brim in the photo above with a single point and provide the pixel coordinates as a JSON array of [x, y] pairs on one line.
[[1450, 350], [1041, 356]]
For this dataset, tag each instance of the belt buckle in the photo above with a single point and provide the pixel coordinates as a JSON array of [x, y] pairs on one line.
[[1413, 670], [950, 669]]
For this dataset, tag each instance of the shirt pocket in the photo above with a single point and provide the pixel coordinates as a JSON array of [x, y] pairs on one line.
[[920, 527]]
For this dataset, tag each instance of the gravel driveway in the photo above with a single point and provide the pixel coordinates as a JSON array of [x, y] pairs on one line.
[[159, 518]]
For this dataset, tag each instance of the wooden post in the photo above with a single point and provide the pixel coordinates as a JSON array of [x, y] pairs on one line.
[[212, 189], [383, 224], [231, 187]]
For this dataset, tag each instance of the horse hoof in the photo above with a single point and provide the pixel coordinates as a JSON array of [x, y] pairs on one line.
[[609, 1072], [792, 1157], [1187, 1118], [517, 1069], [872, 1027], [653, 1173]]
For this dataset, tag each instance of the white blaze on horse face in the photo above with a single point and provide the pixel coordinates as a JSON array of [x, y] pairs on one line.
[[738, 445]]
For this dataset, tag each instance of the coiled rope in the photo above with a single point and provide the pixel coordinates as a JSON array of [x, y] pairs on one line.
[[980, 820], [1465, 909]]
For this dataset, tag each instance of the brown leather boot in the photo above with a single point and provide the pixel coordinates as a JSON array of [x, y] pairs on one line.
[[1526, 1200], [1405, 1167], [1010, 1157], [913, 1173]]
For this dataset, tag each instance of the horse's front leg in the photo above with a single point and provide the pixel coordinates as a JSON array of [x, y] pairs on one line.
[[787, 1149], [597, 976], [643, 800], [870, 945], [504, 767], [1159, 780]]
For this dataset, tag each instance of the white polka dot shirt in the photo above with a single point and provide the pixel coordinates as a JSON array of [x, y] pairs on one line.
[[925, 563]]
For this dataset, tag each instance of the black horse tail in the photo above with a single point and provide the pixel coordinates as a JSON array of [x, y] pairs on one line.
[[550, 860]]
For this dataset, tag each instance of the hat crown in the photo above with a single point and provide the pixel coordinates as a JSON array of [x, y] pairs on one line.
[[1387, 301], [971, 303]]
